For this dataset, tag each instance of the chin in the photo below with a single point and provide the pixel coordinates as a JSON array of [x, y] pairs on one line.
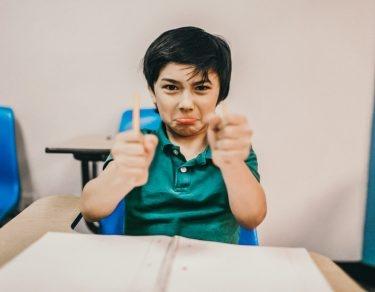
[[186, 131]]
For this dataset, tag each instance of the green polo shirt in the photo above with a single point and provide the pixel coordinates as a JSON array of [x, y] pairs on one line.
[[181, 197]]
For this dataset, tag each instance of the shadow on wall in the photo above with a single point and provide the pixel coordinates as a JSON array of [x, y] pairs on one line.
[[24, 169]]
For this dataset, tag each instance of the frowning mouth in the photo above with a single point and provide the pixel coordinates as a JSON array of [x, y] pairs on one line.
[[186, 121]]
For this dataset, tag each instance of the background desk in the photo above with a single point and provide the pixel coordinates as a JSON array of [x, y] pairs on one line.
[[56, 213], [87, 149]]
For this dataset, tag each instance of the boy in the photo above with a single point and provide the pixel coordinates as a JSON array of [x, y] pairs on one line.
[[197, 175]]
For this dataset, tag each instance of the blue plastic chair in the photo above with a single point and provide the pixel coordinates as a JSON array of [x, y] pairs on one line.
[[115, 223], [10, 188]]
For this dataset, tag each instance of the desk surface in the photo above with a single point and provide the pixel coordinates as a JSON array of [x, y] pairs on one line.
[[56, 213], [94, 144]]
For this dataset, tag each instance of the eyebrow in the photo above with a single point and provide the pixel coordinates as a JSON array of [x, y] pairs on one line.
[[170, 80], [178, 82]]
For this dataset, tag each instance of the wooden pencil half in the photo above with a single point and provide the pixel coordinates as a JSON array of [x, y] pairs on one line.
[[136, 113]]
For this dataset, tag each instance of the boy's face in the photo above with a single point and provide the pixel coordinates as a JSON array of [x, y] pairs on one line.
[[184, 101]]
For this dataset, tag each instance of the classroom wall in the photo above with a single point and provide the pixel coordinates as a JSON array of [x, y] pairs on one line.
[[302, 73]]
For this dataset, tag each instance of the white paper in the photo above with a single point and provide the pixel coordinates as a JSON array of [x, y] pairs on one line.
[[83, 262], [209, 266]]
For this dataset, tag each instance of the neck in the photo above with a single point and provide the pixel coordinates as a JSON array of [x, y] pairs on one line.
[[190, 146]]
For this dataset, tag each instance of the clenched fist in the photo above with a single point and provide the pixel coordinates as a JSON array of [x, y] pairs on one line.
[[229, 138], [132, 154]]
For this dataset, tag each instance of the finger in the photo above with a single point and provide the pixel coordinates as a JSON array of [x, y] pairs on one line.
[[211, 138], [235, 119], [231, 144], [208, 117], [136, 149], [150, 142], [234, 131], [214, 122], [223, 111], [129, 136], [132, 161], [136, 114]]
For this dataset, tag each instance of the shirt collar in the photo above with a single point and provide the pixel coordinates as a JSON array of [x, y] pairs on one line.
[[167, 146], [164, 142]]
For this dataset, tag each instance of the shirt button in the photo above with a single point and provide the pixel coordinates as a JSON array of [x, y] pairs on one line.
[[183, 169], [175, 152]]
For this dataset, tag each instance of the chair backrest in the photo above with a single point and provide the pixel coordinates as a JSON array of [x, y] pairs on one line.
[[10, 188], [149, 119], [115, 223]]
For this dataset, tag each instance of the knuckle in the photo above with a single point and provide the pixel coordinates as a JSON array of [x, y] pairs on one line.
[[121, 161], [121, 137], [226, 144], [139, 149], [247, 130], [144, 161], [225, 132], [116, 150], [245, 142], [118, 137]]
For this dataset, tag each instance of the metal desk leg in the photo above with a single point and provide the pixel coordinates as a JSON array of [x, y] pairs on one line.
[[86, 177], [85, 172], [94, 172]]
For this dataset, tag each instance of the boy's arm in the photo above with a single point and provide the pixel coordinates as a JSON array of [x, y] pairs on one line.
[[101, 195], [247, 199], [132, 153], [230, 142]]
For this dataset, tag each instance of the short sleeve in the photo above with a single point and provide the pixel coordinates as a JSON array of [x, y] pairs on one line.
[[252, 163], [107, 161]]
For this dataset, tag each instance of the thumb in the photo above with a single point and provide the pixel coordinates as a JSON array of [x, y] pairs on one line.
[[150, 143], [213, 121]]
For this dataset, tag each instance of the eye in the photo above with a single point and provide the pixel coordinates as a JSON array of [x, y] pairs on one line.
[[170, 87], [202, 87]]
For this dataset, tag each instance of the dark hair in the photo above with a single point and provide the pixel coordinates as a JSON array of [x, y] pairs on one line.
[[192, 46]]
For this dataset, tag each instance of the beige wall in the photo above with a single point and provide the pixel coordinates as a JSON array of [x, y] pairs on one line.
[[303, 74]]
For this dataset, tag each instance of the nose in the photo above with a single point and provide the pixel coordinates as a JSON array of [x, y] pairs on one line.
[[186, 103]]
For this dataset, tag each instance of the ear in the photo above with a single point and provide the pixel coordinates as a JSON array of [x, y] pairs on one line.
[[152, 94]]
